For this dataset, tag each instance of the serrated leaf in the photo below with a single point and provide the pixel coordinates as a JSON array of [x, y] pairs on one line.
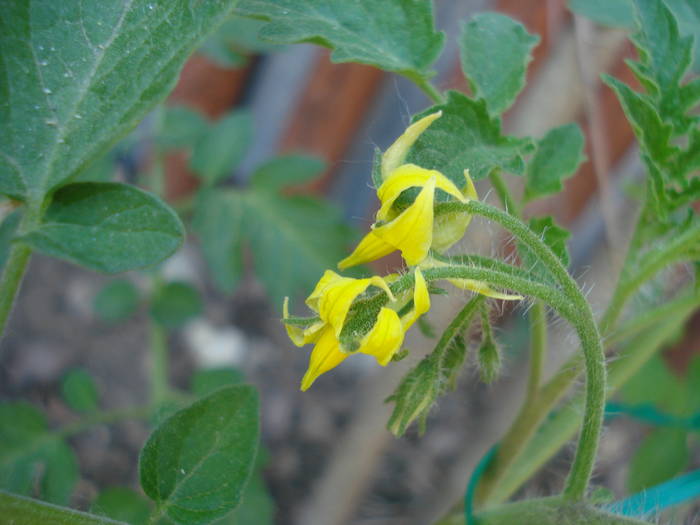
[[108, 227], [218, 222], [8, 228], [286, 170], [294, 240], [394, 35], [467, 137], [495, 51], [80, 391], [19, 510], [33, 461], [219, 150], [614, 13], [116, 301], [79, 75], [197, 463], [181, 128], [175, 303], [662, 455], [205, 382], [553, 236], [652, 133], [558, 156], [122, 504]]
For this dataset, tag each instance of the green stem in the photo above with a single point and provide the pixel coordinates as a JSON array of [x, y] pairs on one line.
[[587, 330], [429, 89], [538, 347], [104, 418], [17, 263], [160, 389]]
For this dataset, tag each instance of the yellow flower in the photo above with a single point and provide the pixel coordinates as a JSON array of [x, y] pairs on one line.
[[395, 155], [332, 299], [411, 231]]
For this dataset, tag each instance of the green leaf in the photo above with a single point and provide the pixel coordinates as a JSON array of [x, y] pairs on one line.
[[652, 133], [669, 393], [197, 463], [175, 303], [234, 41], [19, 510], [218, 222], [116, 301], [558, 156], [294, 240], [79, 75], [8, 228], [662, 455], [614, 13], [122, 504], [286, 170], [108, 227], [394, 35], [32, 460], [467, 137], [222, 146], [182, 127], [257, 506], [495, 51], [205, 382], [80, 391]]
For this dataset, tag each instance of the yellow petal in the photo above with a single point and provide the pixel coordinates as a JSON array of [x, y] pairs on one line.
[[393, 157], [448, 228], [421, 301], [338, 297], [295, 333], [370, 248], [412, 231], [408, 176], [385, 337], [483, 289], [325, 356], [329, 277], [469, 189]]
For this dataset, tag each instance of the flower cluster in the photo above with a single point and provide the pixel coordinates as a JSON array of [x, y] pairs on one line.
[[363, 315]]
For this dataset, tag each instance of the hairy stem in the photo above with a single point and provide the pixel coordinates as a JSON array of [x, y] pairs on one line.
[[16, 264], [538, 348], [503, 192]]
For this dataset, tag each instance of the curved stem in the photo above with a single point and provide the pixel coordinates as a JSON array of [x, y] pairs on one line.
[[587, 330], [429, 89], [503, 192], [17, 263]]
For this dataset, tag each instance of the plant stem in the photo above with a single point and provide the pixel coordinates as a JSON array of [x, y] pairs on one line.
[[16, 264], [504, 193], [587, 330], [104, 418], [159, 364], [429, 89], [538, 348]]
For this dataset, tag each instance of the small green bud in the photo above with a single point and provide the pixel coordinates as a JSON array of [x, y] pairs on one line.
[[414, 396], [489, 361]]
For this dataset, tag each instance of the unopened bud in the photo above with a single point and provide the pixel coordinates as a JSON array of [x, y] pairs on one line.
[[489, 360]]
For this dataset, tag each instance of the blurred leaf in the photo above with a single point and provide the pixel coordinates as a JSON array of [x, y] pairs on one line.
[[393, 35], [196, 464], [559, 154], [78, 75], [116, 301], [234, 41], [662, 455], [495, 51], [218, 222], [285, 171], [222, 53], [205, 382], [256, 507], [219, 149], [467, 137], [122, 504], [80, 391], [18, 510], [32, 460], [175, 303], [614, 13], [109, 227], [8, 228], [182, 127], [669, 393], [553, 236]]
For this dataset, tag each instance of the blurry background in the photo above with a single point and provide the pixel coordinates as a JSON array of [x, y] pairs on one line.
[[329, 459]]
